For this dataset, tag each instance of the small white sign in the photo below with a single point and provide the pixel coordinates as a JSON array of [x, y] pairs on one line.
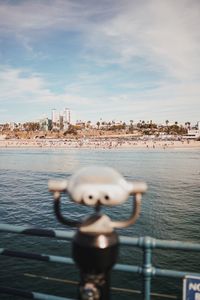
[[191, 288]]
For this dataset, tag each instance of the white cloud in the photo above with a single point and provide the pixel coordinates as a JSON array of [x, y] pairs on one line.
[[18, 84], [163, 34], [41, 15], [22, 86]]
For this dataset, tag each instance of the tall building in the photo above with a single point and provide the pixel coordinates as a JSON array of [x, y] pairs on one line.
[[66, 115], [60, 121], [66, 118], [55, 116]]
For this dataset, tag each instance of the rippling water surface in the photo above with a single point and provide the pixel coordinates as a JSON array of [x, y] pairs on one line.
[[170, 210]]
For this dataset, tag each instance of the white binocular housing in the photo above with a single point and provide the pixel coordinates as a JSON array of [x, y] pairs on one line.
[[97, 185]]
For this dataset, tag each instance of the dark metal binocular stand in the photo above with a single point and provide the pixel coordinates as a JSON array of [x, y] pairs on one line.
[[95, 244]]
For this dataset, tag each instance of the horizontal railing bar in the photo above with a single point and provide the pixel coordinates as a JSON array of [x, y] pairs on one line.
[[153, 271], [129, 241], [178, 245], [142, 242], [35, 256], [60, 259], [52, 233], [127, 268], [30, 295], [149, 242], [172, 273], [117, 267]]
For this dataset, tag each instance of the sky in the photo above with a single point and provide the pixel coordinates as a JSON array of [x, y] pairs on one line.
[[109, 59]]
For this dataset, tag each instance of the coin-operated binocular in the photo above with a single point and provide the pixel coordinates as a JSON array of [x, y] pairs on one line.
[[95, 244]]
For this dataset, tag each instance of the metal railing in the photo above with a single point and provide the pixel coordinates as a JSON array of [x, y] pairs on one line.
[[147, 270]]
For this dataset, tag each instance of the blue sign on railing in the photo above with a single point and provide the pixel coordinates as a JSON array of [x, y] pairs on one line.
[[191, 288]]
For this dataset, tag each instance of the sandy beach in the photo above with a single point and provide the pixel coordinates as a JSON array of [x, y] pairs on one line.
[[96, 143]]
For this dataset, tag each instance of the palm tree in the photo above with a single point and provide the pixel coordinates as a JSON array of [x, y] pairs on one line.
[[88, 124], [187, 124]]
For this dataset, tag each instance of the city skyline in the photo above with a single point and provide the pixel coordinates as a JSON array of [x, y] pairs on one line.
[[115, 60]]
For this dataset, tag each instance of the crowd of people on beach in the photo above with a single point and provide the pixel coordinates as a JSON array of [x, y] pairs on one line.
[[95, 143]]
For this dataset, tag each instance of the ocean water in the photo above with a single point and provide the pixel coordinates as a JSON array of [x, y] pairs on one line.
[[170, 210]]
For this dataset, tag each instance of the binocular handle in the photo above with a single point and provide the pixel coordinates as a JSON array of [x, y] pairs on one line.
[[134, 216], [108, 225]]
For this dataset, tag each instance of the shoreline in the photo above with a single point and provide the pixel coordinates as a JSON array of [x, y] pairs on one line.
[[97, 144]]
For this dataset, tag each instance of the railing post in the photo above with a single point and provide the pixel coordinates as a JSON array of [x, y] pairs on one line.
[[147, 269]]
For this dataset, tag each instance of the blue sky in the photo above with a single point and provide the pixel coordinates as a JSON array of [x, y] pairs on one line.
[[115, 60]]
